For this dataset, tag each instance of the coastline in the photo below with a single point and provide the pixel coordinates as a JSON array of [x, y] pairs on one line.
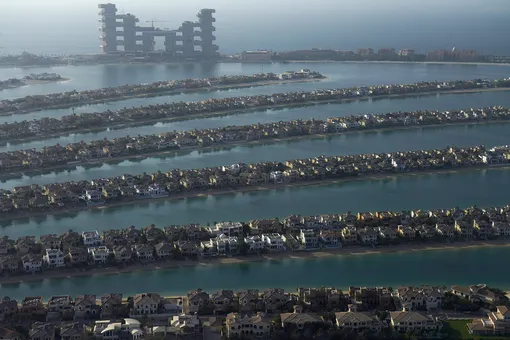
[[243, 111], [230, 145], [28, 82], [266, 187], [158, 94], [479, 63], [288, 255]]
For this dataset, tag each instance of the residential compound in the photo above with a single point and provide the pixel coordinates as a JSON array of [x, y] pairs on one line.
[[121, 34], [294, 233], [256, 314]]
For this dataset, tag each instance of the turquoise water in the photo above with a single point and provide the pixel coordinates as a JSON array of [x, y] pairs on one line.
[[356, 143], [448, 267], [435, 102], [482, 187], [340, 74]]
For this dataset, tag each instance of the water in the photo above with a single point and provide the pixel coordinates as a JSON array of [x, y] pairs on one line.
[[394, 193], [434, 102], [446, 267], [352, 143], [340, 74]]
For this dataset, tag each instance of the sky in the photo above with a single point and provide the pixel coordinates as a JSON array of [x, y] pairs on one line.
[[71, 26]]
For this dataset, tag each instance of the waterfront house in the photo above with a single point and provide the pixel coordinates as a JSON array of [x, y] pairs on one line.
[[9, 264], [358, 322], [464, 229], [479, 292], [368, 235], [42, 331], [249, 300], [274, 242], [91, 238], [308, 239], [32, 307], [410, 298], [71, 239], [369, 298], [223, 301], [265, 226], [226, 245], [188, 249], [144, 252], [330, 238], [153, 234], [99, 254], [5, 245], [111, 305], [25, 244], [407, 232], [122, 253], [426, 231], [501, 229], [181, 326], [275, 300], [8, 308], [199, 302], [445, 231], [388, 233], [164, 249], [321, 298], [78, 255], [413, 322], [228, 228], [254, 243], [85, 307], [146, 303], [49, 241], [349, 235], [32, 263], [54, 258], [483, 229], [132, 235], [256, 326], [112, 237], [59, 308]]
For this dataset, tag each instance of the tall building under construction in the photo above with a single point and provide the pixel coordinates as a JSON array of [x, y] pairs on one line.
[[121, 34]]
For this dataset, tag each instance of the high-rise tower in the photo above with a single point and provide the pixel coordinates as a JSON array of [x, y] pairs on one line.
[[108, 27], [205, 21]]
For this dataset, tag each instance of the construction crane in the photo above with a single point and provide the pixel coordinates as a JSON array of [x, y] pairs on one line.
[[153, 21]]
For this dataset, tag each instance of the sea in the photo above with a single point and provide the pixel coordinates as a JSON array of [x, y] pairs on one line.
[[423, 191]]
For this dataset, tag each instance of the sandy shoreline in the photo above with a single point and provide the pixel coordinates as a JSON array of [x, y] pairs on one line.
[[227, 146], [159, 94], [241, 111], [290, 255], [243, 190]]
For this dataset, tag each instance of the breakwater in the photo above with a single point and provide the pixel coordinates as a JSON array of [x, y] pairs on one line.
[[47, 127], [240, 177], [160, 88], [57, 156]]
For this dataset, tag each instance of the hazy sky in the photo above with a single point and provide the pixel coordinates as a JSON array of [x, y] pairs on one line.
[[67, 26]]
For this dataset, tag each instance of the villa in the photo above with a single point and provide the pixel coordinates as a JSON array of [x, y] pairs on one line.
[[54, 258], [274, 242]]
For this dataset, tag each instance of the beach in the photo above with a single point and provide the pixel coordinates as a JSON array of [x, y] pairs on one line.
[[288, 255]]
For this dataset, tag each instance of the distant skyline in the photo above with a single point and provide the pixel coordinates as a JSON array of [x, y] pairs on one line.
[[64, 27]]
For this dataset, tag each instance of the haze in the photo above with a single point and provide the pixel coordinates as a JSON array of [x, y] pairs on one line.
[[63, 26]]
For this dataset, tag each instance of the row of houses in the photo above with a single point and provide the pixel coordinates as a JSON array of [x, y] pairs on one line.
[[159, 184], [77, 153], [249, 313], [77, 122], [70, 98]]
